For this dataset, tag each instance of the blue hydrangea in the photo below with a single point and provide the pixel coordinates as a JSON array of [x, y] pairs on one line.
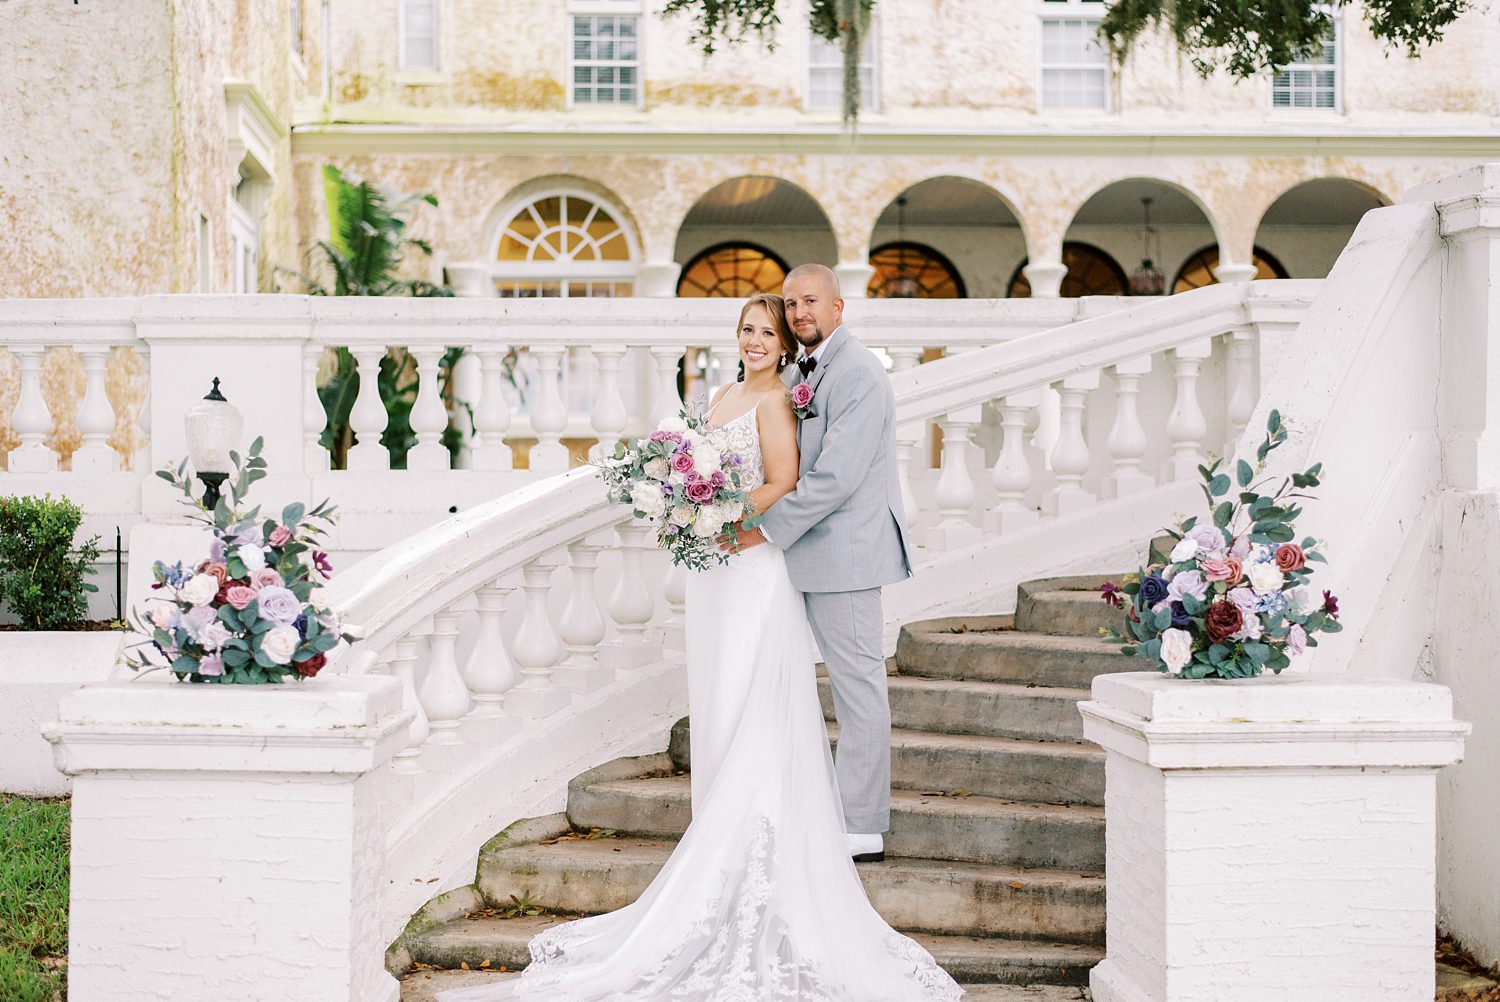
[[1272, 602]]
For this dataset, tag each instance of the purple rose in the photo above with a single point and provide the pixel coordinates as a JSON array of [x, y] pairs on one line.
[[1210, 540], [1153, 590], [1180, 618], [279, 605], [196, 620], [211, 666], [1187, 583], [802, 395], [1296, 639], [659, 436], [717, 479], [1245, 599], [700, 492]]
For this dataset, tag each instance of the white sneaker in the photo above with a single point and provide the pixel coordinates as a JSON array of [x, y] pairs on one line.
[[866, 848]]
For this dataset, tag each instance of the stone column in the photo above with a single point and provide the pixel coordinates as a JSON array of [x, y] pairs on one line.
[[1269, 838], [854, 278], [228, 842]]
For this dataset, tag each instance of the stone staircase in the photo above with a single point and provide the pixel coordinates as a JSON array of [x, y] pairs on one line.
[[995, 857]]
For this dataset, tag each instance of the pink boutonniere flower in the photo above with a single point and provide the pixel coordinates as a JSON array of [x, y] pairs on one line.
[[802, 398]]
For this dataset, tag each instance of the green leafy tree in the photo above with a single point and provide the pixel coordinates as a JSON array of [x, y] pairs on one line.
[[366, 243]]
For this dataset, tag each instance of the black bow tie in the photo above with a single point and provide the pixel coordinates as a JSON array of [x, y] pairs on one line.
[[807, 365]]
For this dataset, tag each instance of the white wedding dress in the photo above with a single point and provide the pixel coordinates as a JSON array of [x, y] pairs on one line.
[[760, 900]]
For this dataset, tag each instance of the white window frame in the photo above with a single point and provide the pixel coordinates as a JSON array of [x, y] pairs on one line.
[[592, 272], [608, 8], [1337, 21], [438, 21], [1089, 11], [869, 101], [244, 249]]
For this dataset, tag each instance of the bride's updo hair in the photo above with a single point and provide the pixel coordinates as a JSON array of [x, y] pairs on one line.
[[776, 307]]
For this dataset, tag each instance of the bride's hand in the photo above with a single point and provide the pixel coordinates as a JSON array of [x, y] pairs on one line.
[[738, 538]]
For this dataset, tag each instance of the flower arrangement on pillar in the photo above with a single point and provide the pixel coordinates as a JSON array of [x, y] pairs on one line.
[[247, 613], [1233, 598]]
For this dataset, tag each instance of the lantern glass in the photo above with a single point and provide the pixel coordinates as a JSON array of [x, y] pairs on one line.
[[213, 427]]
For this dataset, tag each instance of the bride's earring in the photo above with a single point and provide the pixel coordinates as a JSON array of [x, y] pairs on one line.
[[783, 360]]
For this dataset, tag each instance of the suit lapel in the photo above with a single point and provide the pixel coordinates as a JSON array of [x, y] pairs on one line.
[[828, 355]]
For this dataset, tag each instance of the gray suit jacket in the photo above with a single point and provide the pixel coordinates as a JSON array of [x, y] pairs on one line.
[[841, 528]]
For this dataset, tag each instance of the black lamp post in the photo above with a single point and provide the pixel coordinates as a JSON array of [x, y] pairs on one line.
[[213, 427]]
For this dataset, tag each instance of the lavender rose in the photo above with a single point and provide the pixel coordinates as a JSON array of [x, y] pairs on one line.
[[211, 666], [266, 577], [280, 606], [1245, 600], [1188, 583], [1210, 540]]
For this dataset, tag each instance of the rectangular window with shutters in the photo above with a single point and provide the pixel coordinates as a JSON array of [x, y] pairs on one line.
[[419, 34], [1074, 66], [606, 60], [1312, 82], [825, 74]]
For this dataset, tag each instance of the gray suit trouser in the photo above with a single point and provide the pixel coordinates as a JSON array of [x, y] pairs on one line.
[[847, 626]]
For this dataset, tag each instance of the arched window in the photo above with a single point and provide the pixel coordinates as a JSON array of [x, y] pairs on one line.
[[1091, 272], [732, 271], [565, 244], [913, 271], [1198, 270]]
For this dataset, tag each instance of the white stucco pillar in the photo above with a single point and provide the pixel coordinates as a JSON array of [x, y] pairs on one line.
[[1269, 838], [1227, 271], [228, 842], [658, 279], [1046, 278], [854, 278], [470, 279]]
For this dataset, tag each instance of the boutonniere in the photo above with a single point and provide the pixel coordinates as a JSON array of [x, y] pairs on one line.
[[802, 400]]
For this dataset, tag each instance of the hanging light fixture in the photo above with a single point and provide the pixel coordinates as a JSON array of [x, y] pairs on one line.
[[902, 285], [1147, 280]]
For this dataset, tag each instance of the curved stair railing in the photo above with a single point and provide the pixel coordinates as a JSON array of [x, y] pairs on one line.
[[511, 698]]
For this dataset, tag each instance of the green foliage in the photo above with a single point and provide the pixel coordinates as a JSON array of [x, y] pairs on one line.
[[33, 898], [1251, 37], [42, 577]]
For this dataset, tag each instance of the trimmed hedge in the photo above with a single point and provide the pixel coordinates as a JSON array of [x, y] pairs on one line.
[[42, 576]]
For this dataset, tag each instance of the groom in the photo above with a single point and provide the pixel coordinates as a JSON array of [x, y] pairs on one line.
[[843, 538]]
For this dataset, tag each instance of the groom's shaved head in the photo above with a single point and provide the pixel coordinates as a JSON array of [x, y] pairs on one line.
[[814, 306]]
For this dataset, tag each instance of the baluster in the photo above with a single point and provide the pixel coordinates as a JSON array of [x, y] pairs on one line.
[[1012, 473], [954, 494], [1241, 378], [141, 458], [674, 593], [537, 648], [367, 417], [583, 625], [96, 418], [1127, 438], [548, 416], [463, 387], [443, 693], [907, 437], [609, 415], [489, 672], [31, 420], [314, 417], [404, 667], [1186, 425], [631, 604], [429, 417], [1070, 457], [492, 416], [727, 362], [666, 402], [904, 358]]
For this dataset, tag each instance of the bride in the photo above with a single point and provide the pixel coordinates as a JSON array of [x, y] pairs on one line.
[[760, 900]]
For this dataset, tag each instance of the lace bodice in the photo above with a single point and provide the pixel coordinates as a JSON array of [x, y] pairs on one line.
[[740, 435]]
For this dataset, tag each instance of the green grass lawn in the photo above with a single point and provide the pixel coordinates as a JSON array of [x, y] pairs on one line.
[[33, 898]]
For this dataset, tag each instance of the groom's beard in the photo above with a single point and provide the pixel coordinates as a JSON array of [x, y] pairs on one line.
[[810, 340]]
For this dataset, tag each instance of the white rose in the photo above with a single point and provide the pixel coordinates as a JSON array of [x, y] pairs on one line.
[[1249, 630], [253, 557], [707, 525], [657, 469], [163, 615], [706, 461], [728, 511], [693, 439], [649, 500], [677, 478], [1187, 549], [1264, 578], [1176, 649], [682, 515], [214, 635], [1300, 602], [674, 423], [280, 644], [200, 589]]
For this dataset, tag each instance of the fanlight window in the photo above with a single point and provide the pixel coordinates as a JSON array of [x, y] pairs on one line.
[[732, 271], [565, 244], [1198, 271], [1091, 272], [912, 271]]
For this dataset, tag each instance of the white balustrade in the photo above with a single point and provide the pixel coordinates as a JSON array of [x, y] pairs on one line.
[[367, 418], [1070, 457], [492, 415], [1127, 437], [443, 693], [429, 415], [666, 402], [1012, 474], [1186, 425], [1240, 402], [609, 416], [631, 604], [726, 368], [489, 672], [907, 439], [140, 460], [31, 420], [674, 594], [315, 458], [954, 493], [549, 416], [582, 627], [403, 666], [96, 419], [537, 648]]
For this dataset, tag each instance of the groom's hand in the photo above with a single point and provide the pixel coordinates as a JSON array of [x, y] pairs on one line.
[[737, 538]]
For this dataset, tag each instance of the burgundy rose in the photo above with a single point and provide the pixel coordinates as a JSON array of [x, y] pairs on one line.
[[310, 667], [700, 492], [1289, 557], [1223, 620], [682, 462]]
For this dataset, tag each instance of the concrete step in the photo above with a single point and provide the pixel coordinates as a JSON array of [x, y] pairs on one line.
[[960, 706], [1038, 772], [496, 942], [1070, 606], [646, 796], [990, 649], [588, 876]]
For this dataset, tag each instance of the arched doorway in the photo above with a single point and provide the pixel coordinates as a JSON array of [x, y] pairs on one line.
[[1142, 222], [913, 271], [732, 270], [1091, 272], [1309, 225], [1198, 270], [767, 213], [948, 224]]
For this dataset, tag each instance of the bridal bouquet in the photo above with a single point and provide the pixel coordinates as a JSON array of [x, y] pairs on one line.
[[1234, 596], [677, 479], [247, 613]]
